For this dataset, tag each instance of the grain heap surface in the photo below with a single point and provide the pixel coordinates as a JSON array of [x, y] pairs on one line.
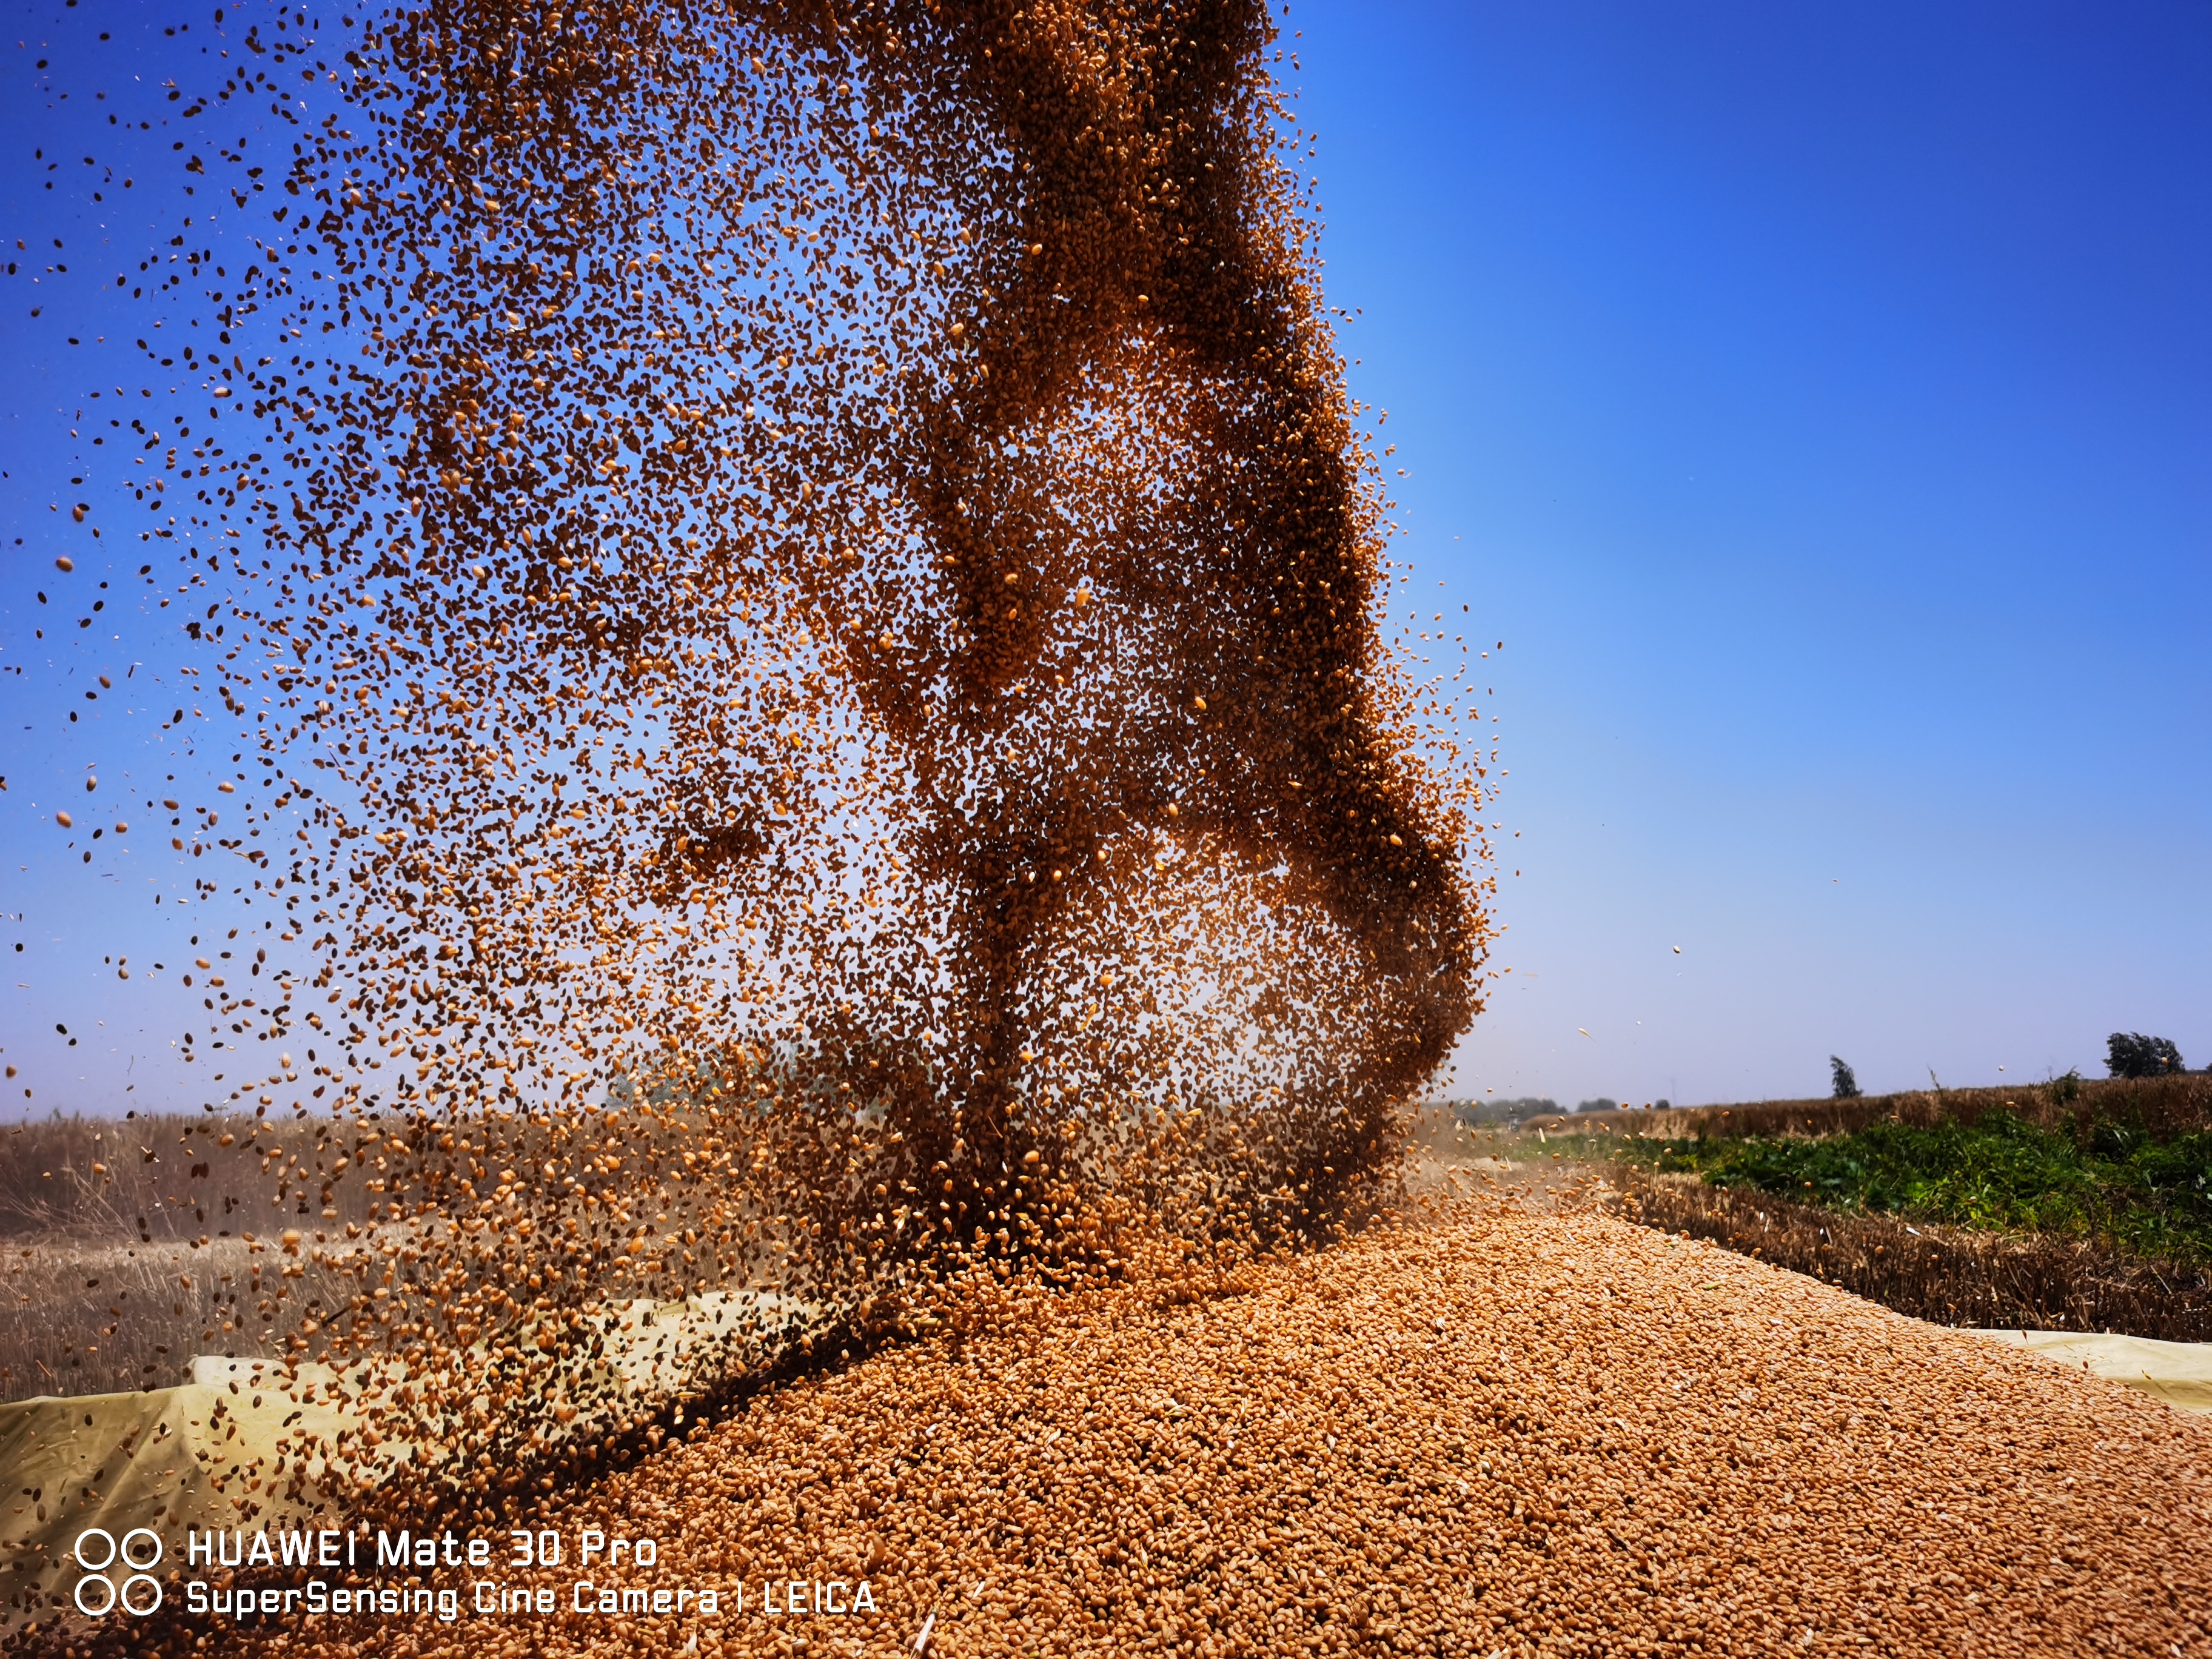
[[1500, 1432]]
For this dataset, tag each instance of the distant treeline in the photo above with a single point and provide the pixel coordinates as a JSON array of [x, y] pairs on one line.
[[1528, 1106], [1501, 1111]]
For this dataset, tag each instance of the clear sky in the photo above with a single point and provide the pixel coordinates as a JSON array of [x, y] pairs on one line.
[[1816, 401]]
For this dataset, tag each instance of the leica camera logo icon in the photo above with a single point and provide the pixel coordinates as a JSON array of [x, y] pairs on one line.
[[118, 1573]]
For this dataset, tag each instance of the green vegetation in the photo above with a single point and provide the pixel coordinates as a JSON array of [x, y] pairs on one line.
[[1998, 1174]]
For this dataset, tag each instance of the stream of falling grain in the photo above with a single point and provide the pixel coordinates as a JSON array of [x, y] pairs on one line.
[[803, 586]]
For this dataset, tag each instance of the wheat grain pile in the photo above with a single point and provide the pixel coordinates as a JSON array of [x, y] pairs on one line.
[[1497, 1431]]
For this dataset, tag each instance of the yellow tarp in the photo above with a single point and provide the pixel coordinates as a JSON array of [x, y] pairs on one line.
[[191, 1456], [2180, 1373], [237, 1445]]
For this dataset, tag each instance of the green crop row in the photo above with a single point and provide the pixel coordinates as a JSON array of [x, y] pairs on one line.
[[2116, 1185]]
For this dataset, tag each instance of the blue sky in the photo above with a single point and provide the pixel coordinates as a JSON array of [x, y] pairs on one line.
[[1817, 402]]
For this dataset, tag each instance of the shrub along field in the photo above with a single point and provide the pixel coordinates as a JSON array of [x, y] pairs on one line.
[[2163, 1108], [2116, 1187], [2068, 1205]]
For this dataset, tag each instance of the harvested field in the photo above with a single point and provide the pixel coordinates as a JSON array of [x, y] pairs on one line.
[[2070, 1205], [169, 1176], [1499, 1431], [95, 1316], [126, 1247], [123, 1247]]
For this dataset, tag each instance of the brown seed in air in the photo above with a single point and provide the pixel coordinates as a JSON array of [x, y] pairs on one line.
[[608, 542]]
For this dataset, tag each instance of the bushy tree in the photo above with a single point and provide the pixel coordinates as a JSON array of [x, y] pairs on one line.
[[1847, 1085], [2130, 1054]]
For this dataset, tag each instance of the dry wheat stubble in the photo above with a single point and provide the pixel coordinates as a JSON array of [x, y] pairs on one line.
[[1499, 1430]]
